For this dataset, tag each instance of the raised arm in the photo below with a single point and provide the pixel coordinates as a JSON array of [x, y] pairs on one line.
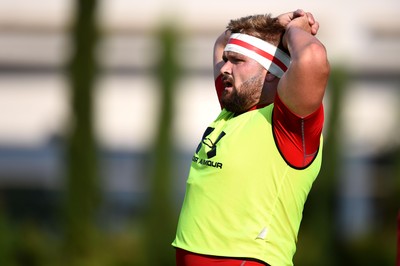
[[302, 87]]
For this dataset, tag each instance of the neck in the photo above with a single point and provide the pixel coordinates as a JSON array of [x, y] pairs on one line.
[[269, 90]]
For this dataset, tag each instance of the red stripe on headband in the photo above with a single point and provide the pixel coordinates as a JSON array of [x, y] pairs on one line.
[[260, 52]]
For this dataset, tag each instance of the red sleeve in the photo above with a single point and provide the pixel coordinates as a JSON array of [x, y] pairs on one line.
[[297, 138], [219, 86]]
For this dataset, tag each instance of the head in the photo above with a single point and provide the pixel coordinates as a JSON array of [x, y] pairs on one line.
[[247, 82]]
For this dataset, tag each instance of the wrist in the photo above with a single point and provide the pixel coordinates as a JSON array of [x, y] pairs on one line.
[[284, 41]]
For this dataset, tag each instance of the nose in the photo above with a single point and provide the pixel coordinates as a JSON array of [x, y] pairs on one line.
[[226, 68]]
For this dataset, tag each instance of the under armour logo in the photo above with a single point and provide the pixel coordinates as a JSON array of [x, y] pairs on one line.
[[209, 143]]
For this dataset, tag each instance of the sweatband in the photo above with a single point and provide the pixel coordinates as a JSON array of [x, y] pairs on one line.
[[269, 56]]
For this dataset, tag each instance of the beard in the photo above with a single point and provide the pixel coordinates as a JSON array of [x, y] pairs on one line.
[[241, 99]]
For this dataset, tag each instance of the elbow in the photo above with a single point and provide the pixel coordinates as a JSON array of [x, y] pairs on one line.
[[316, 57]]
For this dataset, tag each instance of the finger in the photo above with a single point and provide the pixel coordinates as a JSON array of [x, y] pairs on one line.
[[315, 28], [290, 15], [311, 19]]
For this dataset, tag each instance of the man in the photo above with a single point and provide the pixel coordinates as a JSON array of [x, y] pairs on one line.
[[255, 165]]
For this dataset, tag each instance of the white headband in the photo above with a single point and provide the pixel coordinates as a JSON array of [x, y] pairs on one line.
[[270, 57]]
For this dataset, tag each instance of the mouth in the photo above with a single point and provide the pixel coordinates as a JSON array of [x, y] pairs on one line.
[[228, 82]]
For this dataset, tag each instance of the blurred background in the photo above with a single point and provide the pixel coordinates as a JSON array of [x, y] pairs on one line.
[[103, 103]]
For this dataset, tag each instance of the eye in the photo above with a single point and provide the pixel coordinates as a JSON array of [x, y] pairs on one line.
[[224, 58], [236, 60]]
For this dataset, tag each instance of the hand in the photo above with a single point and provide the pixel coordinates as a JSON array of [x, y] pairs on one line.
[[286, 18]]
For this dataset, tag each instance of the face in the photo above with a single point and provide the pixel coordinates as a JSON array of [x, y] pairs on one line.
[[243, 80]]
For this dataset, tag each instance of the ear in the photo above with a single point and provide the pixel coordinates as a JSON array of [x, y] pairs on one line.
[[269, 77]]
